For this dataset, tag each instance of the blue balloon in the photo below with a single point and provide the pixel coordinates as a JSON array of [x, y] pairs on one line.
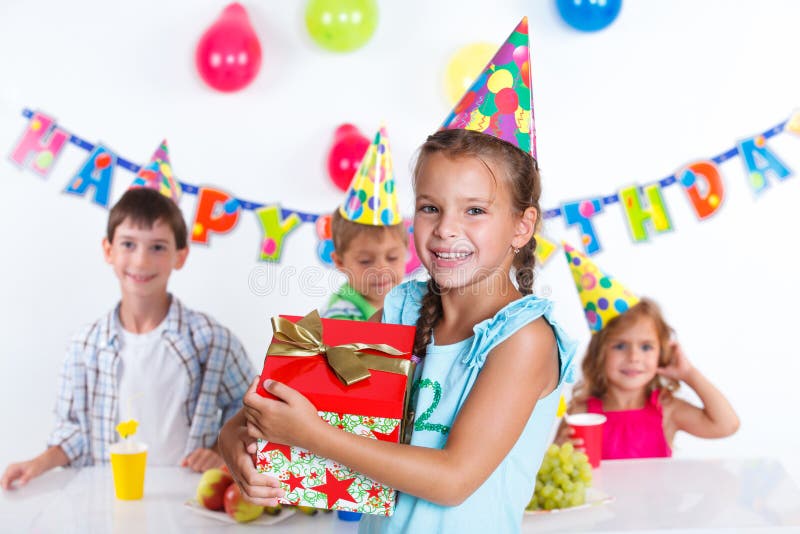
[[589, 15]]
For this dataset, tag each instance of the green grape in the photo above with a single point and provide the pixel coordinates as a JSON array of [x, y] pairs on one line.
[[585, 475], [562, 480]]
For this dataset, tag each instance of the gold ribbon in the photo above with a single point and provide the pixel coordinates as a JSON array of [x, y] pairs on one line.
[[348, 362]]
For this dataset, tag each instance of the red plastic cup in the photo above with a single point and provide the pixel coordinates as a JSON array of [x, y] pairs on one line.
[[589, 428]]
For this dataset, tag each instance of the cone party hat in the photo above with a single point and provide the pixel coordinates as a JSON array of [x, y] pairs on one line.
[[371, 198], [499, 102], [603, 296], [157, 175]]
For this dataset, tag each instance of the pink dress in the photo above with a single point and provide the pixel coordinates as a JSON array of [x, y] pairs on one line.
[[633, 433]]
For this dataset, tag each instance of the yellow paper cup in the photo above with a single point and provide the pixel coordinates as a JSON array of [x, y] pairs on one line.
[[128, 463]]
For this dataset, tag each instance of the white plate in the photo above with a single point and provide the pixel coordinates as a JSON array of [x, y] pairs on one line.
[[263, 520], [594, 497]]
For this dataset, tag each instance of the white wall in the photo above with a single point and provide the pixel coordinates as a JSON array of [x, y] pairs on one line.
[[667, 83]]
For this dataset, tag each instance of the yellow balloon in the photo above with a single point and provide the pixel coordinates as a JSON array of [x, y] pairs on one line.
[[464, 67]]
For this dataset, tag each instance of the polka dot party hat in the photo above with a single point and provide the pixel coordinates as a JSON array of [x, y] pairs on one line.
[[157, 174], [602, 296], [499, 102], [371, 198]]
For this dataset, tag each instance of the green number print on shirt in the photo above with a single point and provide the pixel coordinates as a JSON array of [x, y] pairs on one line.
[[422, 421]]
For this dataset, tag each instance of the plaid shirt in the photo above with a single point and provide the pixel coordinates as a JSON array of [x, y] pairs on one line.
[[87, 408]]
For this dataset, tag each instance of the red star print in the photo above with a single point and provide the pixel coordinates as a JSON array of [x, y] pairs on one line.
[[286, 450], [393, 436], [335, 489], [294, 482], [374, 491], [313, 475], [303, 454]]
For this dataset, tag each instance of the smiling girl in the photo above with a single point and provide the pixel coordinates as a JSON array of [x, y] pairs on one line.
[[632, 367], [491, 358]]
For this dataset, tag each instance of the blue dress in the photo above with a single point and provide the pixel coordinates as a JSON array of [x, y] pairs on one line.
[[441, 387]]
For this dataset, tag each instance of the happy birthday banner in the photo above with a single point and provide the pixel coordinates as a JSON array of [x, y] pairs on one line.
[[217, 212]]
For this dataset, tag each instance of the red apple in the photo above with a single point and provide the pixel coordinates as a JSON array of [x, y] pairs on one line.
[[238, 508], [211, 489]]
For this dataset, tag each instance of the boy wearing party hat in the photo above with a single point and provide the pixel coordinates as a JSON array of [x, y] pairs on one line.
[[631, 368], [369, 238], [177, 371]]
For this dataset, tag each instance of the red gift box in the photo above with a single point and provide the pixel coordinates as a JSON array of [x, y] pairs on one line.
[[373, 407], [380, 395]]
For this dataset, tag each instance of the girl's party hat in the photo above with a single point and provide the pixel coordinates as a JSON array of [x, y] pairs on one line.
[[371, 198], [157, 174], [499, 102], [602, 296]]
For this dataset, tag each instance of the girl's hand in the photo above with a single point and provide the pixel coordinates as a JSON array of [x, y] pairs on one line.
[[237, 449], [290, 420], [680, 367], [566, 433]]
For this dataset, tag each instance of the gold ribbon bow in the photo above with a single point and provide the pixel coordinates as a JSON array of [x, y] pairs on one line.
[[348, 362]]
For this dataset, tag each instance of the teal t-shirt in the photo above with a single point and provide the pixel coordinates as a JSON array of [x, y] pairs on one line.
[[444, 381]]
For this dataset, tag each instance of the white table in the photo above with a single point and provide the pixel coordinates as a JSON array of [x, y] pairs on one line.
[[650, 495], [685, 495]]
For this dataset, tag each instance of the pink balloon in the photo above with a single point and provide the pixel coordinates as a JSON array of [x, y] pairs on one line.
[[228, 55], [348, 149]]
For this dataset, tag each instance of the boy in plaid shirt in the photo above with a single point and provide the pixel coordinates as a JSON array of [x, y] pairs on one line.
[[184, 373]]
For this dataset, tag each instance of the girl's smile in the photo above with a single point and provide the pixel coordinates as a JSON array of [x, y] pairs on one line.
[[450, 259]]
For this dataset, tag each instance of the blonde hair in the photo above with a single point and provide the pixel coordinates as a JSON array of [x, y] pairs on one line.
[[594, 383], [344, 232], [522, 175]]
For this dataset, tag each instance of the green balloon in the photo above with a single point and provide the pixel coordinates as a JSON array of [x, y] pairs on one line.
[[341, 25]]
